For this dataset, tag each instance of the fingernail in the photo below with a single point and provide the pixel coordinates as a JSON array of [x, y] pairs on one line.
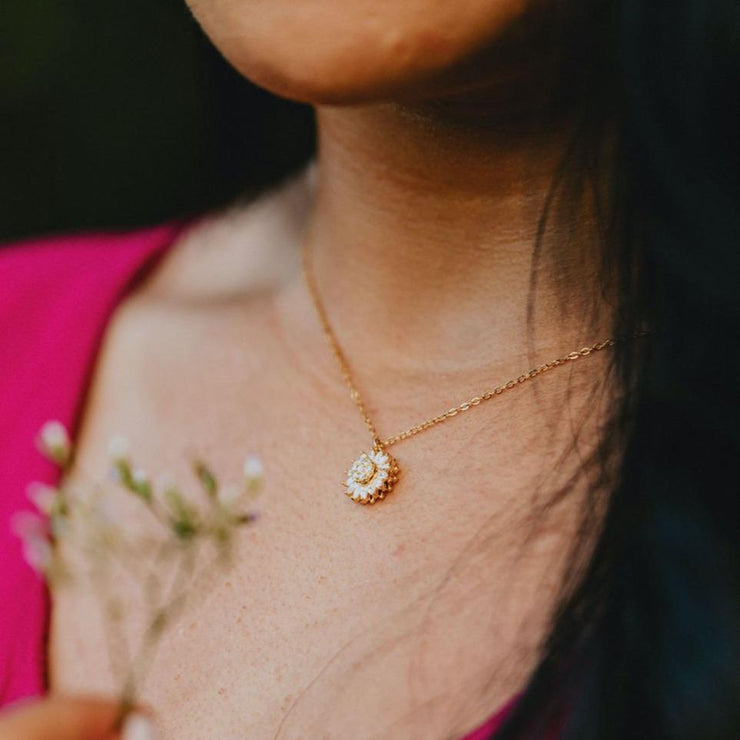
[[138, 727]]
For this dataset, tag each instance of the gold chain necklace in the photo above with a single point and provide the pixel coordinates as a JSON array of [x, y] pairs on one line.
[[373, 474]]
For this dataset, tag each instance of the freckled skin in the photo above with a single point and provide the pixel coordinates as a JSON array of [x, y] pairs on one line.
[[417, 617], [326, 51]]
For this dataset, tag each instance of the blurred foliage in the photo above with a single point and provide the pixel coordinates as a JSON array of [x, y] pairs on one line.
[[117, 114]]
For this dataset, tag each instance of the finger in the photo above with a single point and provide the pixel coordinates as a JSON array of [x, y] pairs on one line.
[[61, 718]]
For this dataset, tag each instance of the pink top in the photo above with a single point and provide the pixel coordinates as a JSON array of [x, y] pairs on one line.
[[57, 296]]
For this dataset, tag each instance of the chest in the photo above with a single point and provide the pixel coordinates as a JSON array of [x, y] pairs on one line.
[[336, 620]]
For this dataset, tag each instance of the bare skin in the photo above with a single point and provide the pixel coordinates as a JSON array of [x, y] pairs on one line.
[[323, 51], [412, 619], [415, 618]]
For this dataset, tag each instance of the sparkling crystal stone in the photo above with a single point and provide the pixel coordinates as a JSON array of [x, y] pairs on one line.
[[371, 476]]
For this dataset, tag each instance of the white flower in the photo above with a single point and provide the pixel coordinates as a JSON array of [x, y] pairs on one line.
[[38, 553], [140, 477], [53, 441], [34, 533], [252, 471], [26, 525], [140, 483], [42, 496], [118, 448], [229, 495]]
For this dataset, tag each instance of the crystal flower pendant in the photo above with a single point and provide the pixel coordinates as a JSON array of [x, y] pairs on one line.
[[371, 476]]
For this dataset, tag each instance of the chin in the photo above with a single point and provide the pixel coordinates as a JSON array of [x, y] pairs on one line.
[[325, 52]]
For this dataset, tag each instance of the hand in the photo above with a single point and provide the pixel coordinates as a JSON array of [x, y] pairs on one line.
[[67, 718]]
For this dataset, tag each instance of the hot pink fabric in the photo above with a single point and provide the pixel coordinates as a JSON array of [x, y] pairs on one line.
[[55, 298], [55, 301]]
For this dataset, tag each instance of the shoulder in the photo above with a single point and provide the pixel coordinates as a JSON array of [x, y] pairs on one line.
[[210, 291], [233, 253], [221, 268], [73, 286]]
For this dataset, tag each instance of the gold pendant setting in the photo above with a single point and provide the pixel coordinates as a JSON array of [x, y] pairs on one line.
[[371, 476]]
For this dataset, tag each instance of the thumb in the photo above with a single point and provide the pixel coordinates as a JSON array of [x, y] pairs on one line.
[[71, 718]]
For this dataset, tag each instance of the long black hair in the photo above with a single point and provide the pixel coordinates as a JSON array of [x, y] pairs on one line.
[[645, 642]]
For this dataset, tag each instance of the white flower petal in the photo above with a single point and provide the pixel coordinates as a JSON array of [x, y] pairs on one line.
[[27, 525], [253, 470], [42, 496], [229, 494], [37, 552], [118, 448], [139, 476], [54, 441]]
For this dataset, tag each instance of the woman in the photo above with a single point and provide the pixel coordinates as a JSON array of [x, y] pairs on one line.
[[499, 184]]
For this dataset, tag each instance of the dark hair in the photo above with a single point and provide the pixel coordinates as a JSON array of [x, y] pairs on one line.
[[646, 640]]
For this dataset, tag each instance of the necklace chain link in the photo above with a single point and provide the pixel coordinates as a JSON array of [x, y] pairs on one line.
[[380, 443]]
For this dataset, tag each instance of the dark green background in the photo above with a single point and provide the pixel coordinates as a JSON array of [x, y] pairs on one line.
[[120, 113]]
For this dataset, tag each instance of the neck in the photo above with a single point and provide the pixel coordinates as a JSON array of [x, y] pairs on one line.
[[422, 238]]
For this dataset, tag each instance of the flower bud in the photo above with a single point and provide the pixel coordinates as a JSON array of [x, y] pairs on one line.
[[43, 497], [253, 473], [38, 553], [229, 495], [118, 449], [54, 442], [140, 483], [26, 524], [34, 534]]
